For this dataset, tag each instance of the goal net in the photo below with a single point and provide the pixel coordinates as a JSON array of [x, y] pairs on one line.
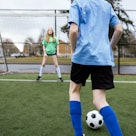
[[20, 26]]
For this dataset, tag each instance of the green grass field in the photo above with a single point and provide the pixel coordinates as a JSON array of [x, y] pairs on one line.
[[30, 108]]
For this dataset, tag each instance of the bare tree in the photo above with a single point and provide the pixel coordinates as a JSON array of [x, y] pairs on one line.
[[40, 39], [123, 16], [29, 46], [9, 47]]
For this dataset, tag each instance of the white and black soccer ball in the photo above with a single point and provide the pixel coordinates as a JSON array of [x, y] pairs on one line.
[[94, 119]]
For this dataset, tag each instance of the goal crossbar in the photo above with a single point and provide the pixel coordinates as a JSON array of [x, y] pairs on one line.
[[31, 14]]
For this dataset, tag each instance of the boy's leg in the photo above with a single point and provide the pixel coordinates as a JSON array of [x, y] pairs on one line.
[[75, 108], [111, 121], [102, 77], [75, 114], [79, 74]]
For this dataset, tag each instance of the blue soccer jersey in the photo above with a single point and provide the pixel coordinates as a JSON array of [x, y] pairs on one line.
[[93, 19]]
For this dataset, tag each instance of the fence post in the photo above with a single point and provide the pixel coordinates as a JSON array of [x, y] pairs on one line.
[[119, 58], [4, 55], [55, 23]]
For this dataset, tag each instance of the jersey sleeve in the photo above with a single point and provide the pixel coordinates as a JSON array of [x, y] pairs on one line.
[[114, 20], [44, 43], [57, 41], [74, 14]]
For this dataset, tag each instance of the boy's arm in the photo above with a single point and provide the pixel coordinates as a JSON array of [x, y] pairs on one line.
[[73, 34], [116, 35]]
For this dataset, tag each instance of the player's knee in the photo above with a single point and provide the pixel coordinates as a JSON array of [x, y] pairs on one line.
[[56, 65], [43, 64]]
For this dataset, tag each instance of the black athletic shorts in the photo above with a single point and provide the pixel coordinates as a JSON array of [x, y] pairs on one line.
[[101, 76], [51, 54]]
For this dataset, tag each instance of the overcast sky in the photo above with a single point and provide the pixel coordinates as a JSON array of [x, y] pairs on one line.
[[28, 26], [130, 5], [35, 4]]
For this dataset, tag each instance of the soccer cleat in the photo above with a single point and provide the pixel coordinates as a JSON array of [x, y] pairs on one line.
[[38, 78], [60, 79]]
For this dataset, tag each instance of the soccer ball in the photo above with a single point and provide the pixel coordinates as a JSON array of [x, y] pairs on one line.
[[94, 119]]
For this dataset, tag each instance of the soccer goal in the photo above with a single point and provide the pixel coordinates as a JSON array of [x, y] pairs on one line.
[[22, 32], [3, 61]]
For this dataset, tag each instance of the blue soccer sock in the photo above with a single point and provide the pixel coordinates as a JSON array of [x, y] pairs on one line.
[[76, 117], [111, 121]]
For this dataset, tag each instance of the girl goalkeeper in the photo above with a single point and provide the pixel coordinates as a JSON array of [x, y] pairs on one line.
[[50, 47]]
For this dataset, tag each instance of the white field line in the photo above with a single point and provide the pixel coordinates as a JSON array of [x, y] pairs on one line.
[[27, 80]]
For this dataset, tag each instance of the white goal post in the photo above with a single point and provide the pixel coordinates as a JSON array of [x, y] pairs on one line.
[[31, 13]]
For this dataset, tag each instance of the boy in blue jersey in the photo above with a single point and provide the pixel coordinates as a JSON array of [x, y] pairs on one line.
[[89, 22]]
